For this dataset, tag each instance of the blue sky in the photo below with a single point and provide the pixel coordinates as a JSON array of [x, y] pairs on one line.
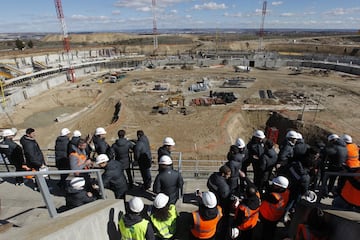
[[118, 15]]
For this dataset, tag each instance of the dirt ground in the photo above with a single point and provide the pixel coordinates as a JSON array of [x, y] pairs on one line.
[[204, 133]]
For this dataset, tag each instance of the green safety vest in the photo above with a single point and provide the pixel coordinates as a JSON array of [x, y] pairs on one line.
[[166, 229], [134, 232]]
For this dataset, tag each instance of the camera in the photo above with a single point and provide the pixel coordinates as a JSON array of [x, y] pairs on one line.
[[197, 192]]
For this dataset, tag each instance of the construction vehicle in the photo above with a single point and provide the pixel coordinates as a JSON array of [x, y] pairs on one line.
[[161, 108], [175, 101]]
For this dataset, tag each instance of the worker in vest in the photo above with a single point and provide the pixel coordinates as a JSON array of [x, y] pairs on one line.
[[349, 193], [315, 228], [132, 225], [206, 219], [352, 160], [246, 214], [163, 217], [273, 206]]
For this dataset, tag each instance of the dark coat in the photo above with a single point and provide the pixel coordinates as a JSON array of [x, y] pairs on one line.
[[13, 152], [73, 144], [33, 154], [255, 148], [61, 152], [300, 150], [163, 151], [336, 153], [218, 185], [122, 148], [131, 219], [75, 198], [286, 153], [268, 159], [114, 178], [102, 147], [142, 152], [169, 181], [235, 161]]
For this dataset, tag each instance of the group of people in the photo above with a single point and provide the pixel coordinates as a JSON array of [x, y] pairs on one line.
[[234, 205]]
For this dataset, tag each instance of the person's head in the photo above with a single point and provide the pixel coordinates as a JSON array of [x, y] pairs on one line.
[[82, 144], [140, 133], [76, 133], [346, 138], [280, 182], [269, 144], [30, 132], [8, 133], [250, 192], [333, 137], [102, 160], [259, 135], [136, 205], [209, 199], [77, 183], [234, 149], [165, 160], [121, 133], [225, 171], [292, 136], [240, 143], [161, 207], [65, 132], [100, 132], [169, 142]]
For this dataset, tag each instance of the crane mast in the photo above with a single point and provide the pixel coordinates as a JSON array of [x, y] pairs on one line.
[[155, 33], [261, 31], [66, 41]]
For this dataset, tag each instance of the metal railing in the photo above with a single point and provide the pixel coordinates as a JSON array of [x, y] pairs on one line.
[[44, 189]]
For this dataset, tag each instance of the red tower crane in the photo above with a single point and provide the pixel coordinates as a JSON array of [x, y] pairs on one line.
[[261, 31], [60, 15], [155, 33]]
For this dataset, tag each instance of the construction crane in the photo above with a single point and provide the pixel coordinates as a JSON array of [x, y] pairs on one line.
[[261, 31], [66, 42], [155, 33]]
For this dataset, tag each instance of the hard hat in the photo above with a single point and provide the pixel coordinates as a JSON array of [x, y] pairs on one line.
[[161, 200], [100, 131], [346, 138], [209, 199], [240, 143], [165, 160], [8, 132], [64, 132], [311, 197], [77, 133], [332, 137], [292, 134], [281, 181], [102, 158], [168, 141], [77, 183], [136, 204], [299, 136], [259, 134]]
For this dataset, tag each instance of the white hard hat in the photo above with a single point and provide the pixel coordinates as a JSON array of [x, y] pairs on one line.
[[292, 134], [310, 196], [77, 133], [165, 160], [161, 200], [332, 137], [259, 134], [299, 136], [209, 199], [346, 138], [100, 131], [102, 158], [77, 183], [281, 181], [240, 143], [64, 132], [136, 204], [8, 132], [168, 141]]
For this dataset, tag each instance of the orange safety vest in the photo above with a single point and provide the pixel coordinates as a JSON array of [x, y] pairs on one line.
[[204, 229], [81, 158], [351, 190], [352, 160], [304, 233], [274, 212], [251, 217]]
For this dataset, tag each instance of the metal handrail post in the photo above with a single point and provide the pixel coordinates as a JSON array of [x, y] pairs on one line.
[[101, 184], [44, 190]]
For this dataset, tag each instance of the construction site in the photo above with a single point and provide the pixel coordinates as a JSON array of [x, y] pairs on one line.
[[202, 92]]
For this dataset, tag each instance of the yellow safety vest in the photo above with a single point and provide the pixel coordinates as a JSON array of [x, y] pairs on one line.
[[166, 229], [134, 232]]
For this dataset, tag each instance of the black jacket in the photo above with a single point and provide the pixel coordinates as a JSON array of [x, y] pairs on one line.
[[61, 152], [163, 151], [300, 150], [268, 159], [121, 148], [73, 144], [33, 155], [255, 148], [336, 153], [13, 152], [235, 161], [169, 181], [75, 198], [286, 153], [102, 147], [142, 152], [131, 219], [114, 179], [218, 185]]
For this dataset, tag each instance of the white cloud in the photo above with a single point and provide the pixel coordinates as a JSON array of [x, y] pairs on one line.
[[287, 14], [277, 3], [188, 16], [89, 18], [144, 9], [116, 12], [210, 6], [336, 12], [174, 11], [232, 14]]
